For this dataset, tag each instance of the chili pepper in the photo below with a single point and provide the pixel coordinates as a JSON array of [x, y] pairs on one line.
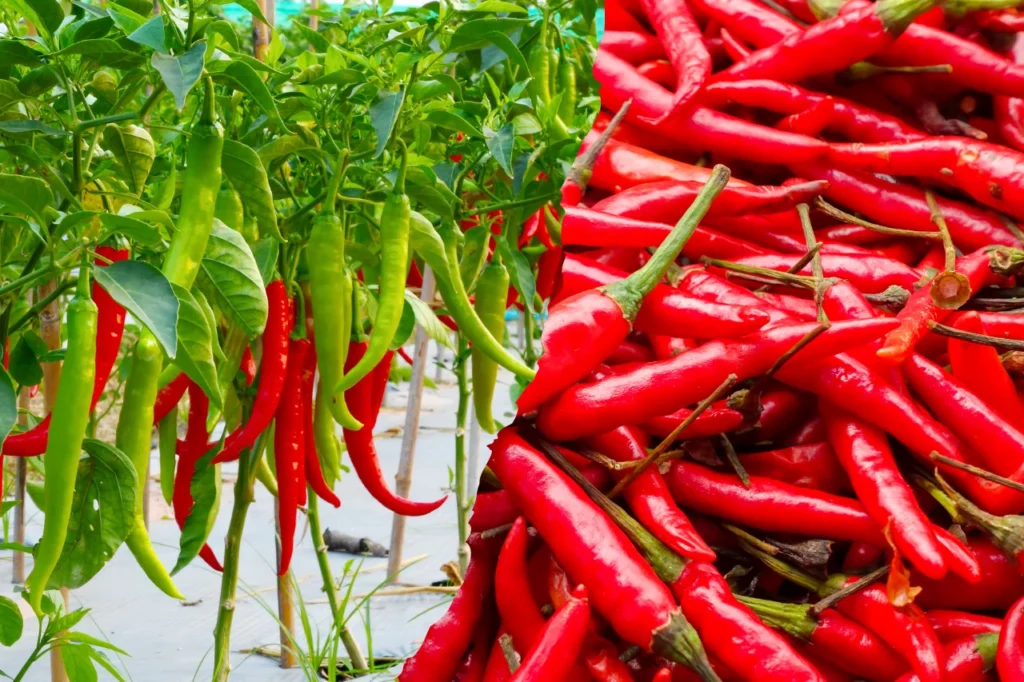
[[109, 330], [497, 667], [248, 366], [811, 121], [582, 331], [134, 429], [749, 21], [168, 397], [558, 645], [596, 553], [666, 347], [712, 421], [273, 373], [314, 474], [736, 50], [950, 626], [665, 201], [629, 352], [635, 395], [703, 129], [852, 120], [687, 53], [871, 274], [649, 497], [659, 71], [985, 171], [633, 46], [865, 455], [1000, 585], [981, 371], [967, 660], [289, 450], [567, 88], [760, 230], [974, 271], [618, 18], [490, 308], [194, 448], [778, 411], [71, 412], [438, 657], [394, 263], [539, 67], [811, 466], [367, 396], [473, 667], [1010, 655], [665, 310], [520, 615], [1009, 20], [835, 637], [587, 227]]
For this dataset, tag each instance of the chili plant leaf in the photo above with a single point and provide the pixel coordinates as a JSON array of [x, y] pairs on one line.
[[27, 195], [249, 6], [427, 243], [194, 352], [133, 228], [8, 405], [521, 273], [500, 145], [12, 623], [181, 72], [426, 318], [133, 148], [47, 15], [144, 291], [125, 19], [265, 253], [248, 175], [77, 663], [453, 121], [24, 361], [246, 80], [102, 514], [42, 168], [282, 147], [205, 488], [151, 34], [232, 281], [384, 114], [17, 52]]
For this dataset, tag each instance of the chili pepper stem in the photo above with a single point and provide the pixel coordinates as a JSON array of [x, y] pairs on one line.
[[953, 333], [462, 507], [896, 15], [977, 471], [1007, 532], [583, 166], [355, 654], [845, 591]]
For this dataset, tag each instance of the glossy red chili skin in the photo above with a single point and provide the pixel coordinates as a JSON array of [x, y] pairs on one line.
[[1010, 653], [629, 352], [964, 661], [273, 370], [715, 420], [194, 448], [438, 657], [681, 36], [648, 496], [584, 540], [950, 626], [864, 453], [633, 395], [290, 451], [632, 46], [313, 469], [854, 648], [553, 656], [1000, 586], [619, 18], [659, 71], [981, 371], [893, 203], [582, 332], [781, 409], [811, 466], [520, 614], [731, 632], [770, 505], [749, 21], [666, 310], [871, 274], [168, 397], [364, 400]]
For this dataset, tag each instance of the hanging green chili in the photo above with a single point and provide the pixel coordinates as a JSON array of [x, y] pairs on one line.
[[491, 295]]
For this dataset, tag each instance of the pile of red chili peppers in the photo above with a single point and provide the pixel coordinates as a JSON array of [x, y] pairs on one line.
[[777, 432]]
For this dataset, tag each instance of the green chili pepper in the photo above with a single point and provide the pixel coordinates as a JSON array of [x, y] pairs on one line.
[[491, 297], [134, 427], [327, 447], [64, 447], [567, 86], [330, 286], [394, 266], [540, 67], [167, 440], [449, 284]]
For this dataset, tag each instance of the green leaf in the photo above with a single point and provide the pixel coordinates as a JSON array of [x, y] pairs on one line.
[[229, 272], [521, 274], [249, 6], [78, 663], [132, 227], [11, 621], [474, 34], [452, 121], [24, 362], [16, 52], [151, 34], [384, 115], [27, 195], [93, 48], [500, 145], [102, 514], [248, 175], [505, 44], [84, 638], [26, 126], [249, 82], [265, 253], [47, 15], [8, 404], [226, 30], [194, 354], [205, 488], [125, 19], [41, 168], [340, 77], [282, 147], [426, 318], [143, 290], [133, 148], [181, 72], [497, 6]]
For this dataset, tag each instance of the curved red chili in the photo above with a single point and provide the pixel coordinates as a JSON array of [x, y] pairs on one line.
[[717, 419], [313, 469], [289, 451], [968, 660], [558, 645], [195, 446], [811, 466], [1010, 655], [633, 46], [981, 371], [684, 44], [520, 614], [951, 625], [168, 397]]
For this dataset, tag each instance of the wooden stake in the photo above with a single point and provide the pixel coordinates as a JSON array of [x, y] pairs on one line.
[[314, 21], [261, 32], [403, 480], [285, 608]]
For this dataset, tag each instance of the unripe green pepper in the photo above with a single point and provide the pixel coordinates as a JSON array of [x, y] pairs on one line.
[[491, 297]]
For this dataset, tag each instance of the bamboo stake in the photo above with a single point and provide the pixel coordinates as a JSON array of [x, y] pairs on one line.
[[403, 480], [285, 606]]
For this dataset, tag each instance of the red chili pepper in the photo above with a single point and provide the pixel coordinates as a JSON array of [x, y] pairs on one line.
[[1009, 20], [666, 347], [811, 466], [685, 47], [649, 497], [583, 331], [438, 657], [981, 371], [554, 654], [659, 71], [1010, 656], [520, 614], [603, 663], [1000, 585], [869, 273], [248, 366], [273, 370], [702, 129], [864, 453], [195, 447], [968, 660], [780, 410], [313, 469], [736, 50], [473, 667], [289, 451], [168, 397], [666, 310], [629, 352], [950, 626], [365, 400], [109, 330], [632, 46], [618, 18], [749, 21], [635, 395], [715, 420], [594, 551]]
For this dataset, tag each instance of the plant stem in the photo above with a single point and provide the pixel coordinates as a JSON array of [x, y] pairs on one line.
[[232, 553], [530, 354], [461, 482], [355, 655]]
